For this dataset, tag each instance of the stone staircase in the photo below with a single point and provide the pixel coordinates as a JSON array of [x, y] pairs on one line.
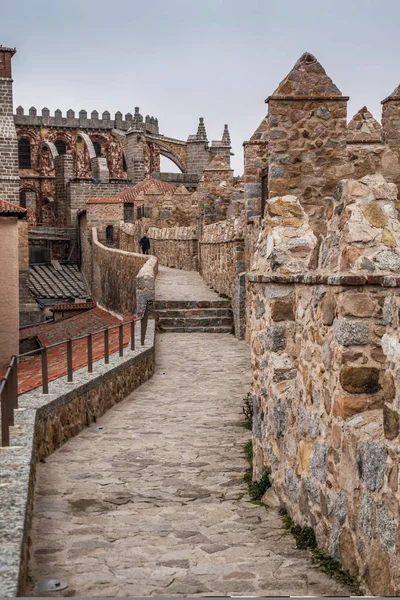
[[205, 316]]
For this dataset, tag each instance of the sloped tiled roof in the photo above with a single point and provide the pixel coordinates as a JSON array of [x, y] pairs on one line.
[[73, 306], [47, 282], [8, 209], [144, 186], [57, 331], [155, 186]]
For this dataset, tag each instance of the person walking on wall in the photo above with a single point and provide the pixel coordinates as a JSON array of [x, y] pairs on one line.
[[145, 244]]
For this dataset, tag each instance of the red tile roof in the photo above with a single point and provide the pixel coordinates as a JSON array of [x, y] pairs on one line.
[[57, 331], [8, 209], [74, 306], [130, 194]]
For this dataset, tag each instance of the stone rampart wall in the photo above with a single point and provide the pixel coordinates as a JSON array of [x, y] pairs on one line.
[[324, 333], [119, 280], [175, 247], [222, 263]]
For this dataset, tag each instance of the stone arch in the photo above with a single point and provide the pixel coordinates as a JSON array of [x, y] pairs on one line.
[[51, 147], [170, 150], [168, 153], [88, 143]]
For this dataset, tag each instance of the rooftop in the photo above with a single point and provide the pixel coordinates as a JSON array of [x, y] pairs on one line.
[[57, 281], [8, 209]]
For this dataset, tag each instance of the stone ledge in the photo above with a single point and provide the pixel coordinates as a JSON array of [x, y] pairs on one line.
[[322, 279], [39, 416]]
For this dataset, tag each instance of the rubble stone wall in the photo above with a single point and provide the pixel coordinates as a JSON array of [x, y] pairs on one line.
[[324, 335], [222, 263], [120, 280], [175, 247]]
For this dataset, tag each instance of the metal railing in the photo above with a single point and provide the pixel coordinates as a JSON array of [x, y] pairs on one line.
[[9, 383]]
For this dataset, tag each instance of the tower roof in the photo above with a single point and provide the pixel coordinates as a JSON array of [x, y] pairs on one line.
[[363, 127], [307, 78]]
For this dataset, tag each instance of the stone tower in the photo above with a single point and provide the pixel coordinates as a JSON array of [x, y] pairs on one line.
[[307, 117], [135, 146], [9, 180], [198, 150]]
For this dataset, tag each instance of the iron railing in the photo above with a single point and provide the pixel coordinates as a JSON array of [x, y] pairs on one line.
[[9, 383]]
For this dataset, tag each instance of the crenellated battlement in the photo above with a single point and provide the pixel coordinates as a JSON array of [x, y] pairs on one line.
[[85, 121]]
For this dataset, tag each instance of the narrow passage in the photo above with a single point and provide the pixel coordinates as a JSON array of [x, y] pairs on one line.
[[154, 503]]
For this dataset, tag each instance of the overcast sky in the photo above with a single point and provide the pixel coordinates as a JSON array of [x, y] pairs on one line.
[[181, 59]]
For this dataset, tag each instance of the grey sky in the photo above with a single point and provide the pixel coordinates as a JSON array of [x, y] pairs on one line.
[[181, 59]]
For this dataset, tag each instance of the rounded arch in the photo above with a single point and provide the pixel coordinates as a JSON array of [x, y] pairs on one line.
[[88, 143], [168, 153], [51, 147]]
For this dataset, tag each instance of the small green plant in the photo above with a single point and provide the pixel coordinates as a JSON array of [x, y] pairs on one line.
[[225, 296], [248, 412], [305, 538], [257, 488]]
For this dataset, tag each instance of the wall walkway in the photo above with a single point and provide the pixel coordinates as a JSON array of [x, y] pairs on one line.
[[154, 503]]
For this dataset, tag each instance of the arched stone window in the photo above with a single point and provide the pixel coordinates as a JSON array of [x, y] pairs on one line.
[[97, 148], [110, 234], [24, 153], [61, 147]]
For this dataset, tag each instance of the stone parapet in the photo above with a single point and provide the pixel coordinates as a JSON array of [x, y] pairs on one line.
[[323, 326], [120, 280], [43, 424]]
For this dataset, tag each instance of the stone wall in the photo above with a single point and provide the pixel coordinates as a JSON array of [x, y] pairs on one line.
[[324, 335], [9, 179], [102, 215], [78, 192], [120, 281], [175, 247], [43, 425], [222, 266]]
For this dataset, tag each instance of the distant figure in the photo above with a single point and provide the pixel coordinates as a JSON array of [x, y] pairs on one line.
[[145, 244]]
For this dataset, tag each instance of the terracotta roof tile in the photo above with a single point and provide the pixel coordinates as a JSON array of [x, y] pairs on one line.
[[8, 209], [73, 306], [147, 186]]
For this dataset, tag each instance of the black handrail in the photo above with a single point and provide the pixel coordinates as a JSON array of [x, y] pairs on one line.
[[9, 383]]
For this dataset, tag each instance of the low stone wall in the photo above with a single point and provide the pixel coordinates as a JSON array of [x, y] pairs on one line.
[[121, 281], [324, 335], [222, 263], [43, 424], [175, 247]]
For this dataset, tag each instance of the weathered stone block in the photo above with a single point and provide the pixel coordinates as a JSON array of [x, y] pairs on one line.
[[318, 462], [357, 305], [349, 332], [345, 406], [373, 465], [279, 417], [275, 338], [360, 380], [391, 423], [282, 309]]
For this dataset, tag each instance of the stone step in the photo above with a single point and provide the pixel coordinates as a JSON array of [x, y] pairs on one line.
[[173, 329], [184, 304], [193, 312], [195, 322]]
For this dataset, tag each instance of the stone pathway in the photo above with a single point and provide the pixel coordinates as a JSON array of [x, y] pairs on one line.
[[173, 284], [154, 503]]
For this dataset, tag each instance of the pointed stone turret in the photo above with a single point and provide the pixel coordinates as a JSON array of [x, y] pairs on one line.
[[390, 125], [197, 150], [226, 138], [307, 139], [201, 134], [364, 128], [307, 78]]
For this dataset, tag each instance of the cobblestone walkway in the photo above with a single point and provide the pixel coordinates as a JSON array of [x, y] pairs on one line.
[[154, 503]]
